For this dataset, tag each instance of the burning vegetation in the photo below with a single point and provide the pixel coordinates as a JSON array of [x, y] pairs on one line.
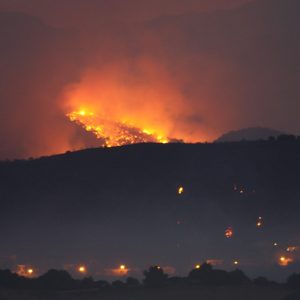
[[115, 133], [122, 107]]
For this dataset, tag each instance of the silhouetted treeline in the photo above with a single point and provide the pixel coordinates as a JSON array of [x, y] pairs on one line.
[[51, 280], [207, 276], [294, 281], [154, 277]]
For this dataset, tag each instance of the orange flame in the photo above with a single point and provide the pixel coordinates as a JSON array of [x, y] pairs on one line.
[[180, 190], [132, 102], [229, 232], [25, 271], [114, 133], [285, 261], [122, 270], [82, 269]]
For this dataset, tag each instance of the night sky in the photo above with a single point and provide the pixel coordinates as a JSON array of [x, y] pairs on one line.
[[77, 74]]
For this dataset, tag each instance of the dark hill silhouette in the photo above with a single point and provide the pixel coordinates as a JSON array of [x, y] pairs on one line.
[[206, 275], [249, 134], [117, 204], [154, 277]]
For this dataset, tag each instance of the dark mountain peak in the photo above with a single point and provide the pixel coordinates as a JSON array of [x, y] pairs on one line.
[[249, 134]]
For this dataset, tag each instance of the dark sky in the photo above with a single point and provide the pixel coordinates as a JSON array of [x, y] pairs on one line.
[[190, 69], [82, 14]]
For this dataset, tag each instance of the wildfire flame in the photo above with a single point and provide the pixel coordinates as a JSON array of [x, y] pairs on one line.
[[115, 133], [25, 271], [229, 232], [131, 102], [285, 261]]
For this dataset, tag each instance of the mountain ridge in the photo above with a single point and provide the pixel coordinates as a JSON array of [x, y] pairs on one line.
[[249, 134]]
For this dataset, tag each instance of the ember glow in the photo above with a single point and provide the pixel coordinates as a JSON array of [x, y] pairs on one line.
[[180, 190], [82, 269], [25, 271], [229, 233], [214, 262], [122, 270], [285, 261], [122, 107], [30, 271], [115, 133], [292, 248]]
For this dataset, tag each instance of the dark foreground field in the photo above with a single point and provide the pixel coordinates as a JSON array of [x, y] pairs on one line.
[[191, 293]]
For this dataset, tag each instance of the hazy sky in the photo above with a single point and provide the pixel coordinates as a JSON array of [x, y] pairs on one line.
[[81, 14], [190, 69]]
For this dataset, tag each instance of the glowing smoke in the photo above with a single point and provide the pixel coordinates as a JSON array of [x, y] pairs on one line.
[[126, 103], [173, 75]]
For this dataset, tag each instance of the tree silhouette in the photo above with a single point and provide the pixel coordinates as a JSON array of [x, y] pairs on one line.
[[286, 138], [12, 280], [237, 277], [261, 281], [101, 284], [132, 282], [293, 281], [202, 275], [155, 277], [205, 275], [118, 284], [87, 283], [56, 280]]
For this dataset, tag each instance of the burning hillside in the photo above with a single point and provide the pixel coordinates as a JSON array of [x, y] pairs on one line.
[[130, 103], [114, 133]]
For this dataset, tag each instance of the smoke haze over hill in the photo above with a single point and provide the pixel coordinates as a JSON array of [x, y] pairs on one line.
[[189, 71]]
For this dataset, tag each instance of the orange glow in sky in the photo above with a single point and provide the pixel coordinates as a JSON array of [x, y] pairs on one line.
[[131, 103], [229, 232], [115, 133], [25, 271], [82, 269], [285, 261]]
